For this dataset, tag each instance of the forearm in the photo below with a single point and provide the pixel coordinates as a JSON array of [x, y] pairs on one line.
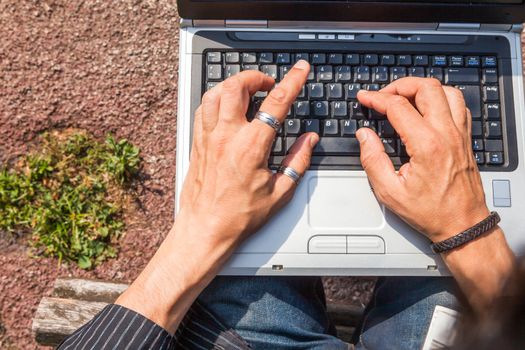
[[481, 267], [176, 275]]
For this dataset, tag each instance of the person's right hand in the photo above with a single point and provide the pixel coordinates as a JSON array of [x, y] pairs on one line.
[[439, 191]]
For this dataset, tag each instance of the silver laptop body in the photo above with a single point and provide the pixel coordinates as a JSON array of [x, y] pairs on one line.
[[334, 225]]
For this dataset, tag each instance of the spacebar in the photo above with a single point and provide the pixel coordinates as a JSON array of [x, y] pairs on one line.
[[337, 146]]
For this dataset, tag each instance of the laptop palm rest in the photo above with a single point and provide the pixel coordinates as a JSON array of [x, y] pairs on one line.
[[343, 202]]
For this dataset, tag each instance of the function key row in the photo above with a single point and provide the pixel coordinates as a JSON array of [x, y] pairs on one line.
[[353, 59]]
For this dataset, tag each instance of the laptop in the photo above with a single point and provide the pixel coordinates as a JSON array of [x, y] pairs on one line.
[[334, 224]]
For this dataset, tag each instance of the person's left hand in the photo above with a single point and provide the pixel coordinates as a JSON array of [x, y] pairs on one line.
[[229, 184]]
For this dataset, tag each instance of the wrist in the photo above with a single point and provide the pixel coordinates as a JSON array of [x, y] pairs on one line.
[[460, 222], [181, 268]]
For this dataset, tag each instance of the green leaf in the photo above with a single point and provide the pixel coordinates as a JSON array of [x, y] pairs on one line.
[[84, 262]]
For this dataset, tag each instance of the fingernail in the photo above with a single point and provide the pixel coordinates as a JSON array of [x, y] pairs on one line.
[[361, 135], [302, 64], [314, 139]]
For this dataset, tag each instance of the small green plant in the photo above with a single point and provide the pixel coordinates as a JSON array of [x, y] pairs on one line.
[[69, 195]]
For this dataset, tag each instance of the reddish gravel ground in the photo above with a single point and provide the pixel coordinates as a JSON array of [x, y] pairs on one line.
[[103, 66]]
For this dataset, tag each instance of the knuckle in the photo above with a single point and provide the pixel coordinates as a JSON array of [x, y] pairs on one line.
[[432, 82], [209, 97], [395, 102], [232, 84], [368, 159], [278, 96]]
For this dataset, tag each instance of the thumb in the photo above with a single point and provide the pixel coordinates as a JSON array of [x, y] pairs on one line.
[[299, 160], [375, 161]]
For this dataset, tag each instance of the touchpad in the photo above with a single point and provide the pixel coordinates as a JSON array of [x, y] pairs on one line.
[[343, 202]]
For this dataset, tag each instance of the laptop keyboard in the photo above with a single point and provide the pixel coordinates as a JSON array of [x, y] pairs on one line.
[[328, 102]]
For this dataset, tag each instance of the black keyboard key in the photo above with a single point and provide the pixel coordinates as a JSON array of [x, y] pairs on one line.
[[477, 145], [339, 109], [289, 142], [325, 73], [421, 60], [330, 127], [390, 146], [380, 74], [385, 129], [494, 158], [214, 72], [311, 125], [283, 58], [211, 85], [387, 60], [397, 73], [480, 158], [337, 146], [277, 147], [358, 111], [493, 130], [362, 74], [214, 57], [343, 73], [250, 67], [348, 127], [351, 91], [302, 56], [352, 59], [461, 76], [372, 87], [416, 72], [292, 126], [494, 146], [472, 96], [490, 76], [472, 61], [283, 70], [334, 91], [477, 129], [436, 73], [231, 69], [249, 57], [404, 60], [439, 61], [302, 108], [371, 124], [335, 58], [320, 109], [370, 60], [316, 91], [492, 111], [318, 58], [265, 57], [232, 57], [311, 75], [270, 70], [455, 61], [375, 115], [489, 61], [490, 93]]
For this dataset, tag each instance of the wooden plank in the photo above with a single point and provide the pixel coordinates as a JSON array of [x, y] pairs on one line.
[[344, 315], [88, 290], [56, 318]]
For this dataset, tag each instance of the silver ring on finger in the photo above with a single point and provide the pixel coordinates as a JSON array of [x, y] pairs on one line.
[[291, 173], [269, 120]]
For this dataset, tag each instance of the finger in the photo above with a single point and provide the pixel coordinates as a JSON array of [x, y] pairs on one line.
[[458, 108], [378, 166], [402, 115], [279, 100], [210, 108], [428, 97], [236, 92], [299, 160]]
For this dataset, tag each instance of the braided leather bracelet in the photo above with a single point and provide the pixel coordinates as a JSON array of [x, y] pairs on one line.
[[466, 236]]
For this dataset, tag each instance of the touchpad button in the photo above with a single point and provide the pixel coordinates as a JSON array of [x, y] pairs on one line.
[[343, 202]]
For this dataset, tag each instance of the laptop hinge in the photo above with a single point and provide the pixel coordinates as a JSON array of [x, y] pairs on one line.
[[351, 25], [474, 27], [246, 23], [208, 23]]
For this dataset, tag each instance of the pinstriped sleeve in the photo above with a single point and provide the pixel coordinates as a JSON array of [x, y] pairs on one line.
[[117, 327]]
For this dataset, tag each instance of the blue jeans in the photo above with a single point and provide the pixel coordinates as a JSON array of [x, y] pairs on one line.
[[290, 312]]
